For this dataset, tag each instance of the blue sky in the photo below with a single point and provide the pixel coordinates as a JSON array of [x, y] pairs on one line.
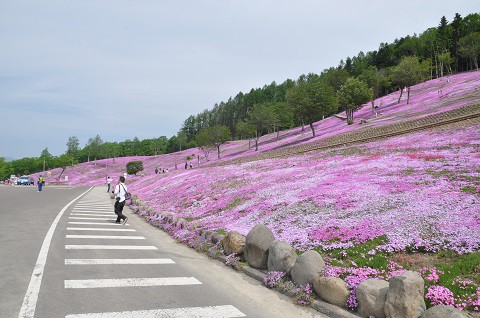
[[124, 68]]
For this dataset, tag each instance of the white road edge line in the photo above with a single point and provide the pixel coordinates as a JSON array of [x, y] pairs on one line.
[[118, 261], [31, 297], [109, 237], [131, 282], [188, 312]]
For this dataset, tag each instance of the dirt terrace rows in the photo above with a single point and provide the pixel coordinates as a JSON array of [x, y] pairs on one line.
[[470, 113]]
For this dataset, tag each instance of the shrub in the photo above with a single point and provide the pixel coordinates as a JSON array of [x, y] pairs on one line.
[[134, 167]]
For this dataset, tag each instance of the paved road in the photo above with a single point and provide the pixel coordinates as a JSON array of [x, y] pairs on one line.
[[96, 268]]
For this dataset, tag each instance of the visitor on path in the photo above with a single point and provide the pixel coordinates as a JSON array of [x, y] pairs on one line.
[[109, 181], [156, 170], [120, 191], [186, 165], [40, 182]]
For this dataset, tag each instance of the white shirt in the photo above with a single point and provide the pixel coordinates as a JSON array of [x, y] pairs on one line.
[[109, 180], [120, 191]]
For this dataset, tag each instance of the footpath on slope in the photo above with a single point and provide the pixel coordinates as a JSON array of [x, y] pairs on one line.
[[470, 113]]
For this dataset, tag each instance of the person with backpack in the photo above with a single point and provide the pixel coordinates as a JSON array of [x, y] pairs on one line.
[[40, 182], [120, 197]]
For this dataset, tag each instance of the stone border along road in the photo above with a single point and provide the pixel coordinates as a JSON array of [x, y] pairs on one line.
[[462, 114]]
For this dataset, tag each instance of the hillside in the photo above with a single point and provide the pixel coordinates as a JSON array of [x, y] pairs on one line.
[[457, 91], [372, 209]]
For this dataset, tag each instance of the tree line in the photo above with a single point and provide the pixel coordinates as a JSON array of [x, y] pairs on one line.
[[94, 149], [446, 49]]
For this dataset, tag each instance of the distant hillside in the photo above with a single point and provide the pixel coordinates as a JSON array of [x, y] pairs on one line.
[[428, 98]]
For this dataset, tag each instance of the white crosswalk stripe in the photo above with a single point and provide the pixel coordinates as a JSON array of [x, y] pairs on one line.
[[109, 247], [119, 261], [131, 282], [99, 229], [107, 237], [97, 223], [93, 211], [85, 218], [92, 214], [189, 312]]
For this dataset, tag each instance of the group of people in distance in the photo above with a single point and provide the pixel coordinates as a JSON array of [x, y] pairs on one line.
[[157, 171]]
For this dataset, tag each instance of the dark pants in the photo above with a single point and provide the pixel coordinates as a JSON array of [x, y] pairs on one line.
[[40, 184], [118, 211], [108, 190]]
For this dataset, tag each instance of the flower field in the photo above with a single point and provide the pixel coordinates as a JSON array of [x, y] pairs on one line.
[[372, 210]]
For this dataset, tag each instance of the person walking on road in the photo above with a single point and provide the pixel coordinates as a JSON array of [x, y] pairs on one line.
[[40, 182], [109, 181], [120, 191]]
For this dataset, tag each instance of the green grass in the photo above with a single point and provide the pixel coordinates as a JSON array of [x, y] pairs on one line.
[[358, 254], [408, 171], [438, 174], [236, 202], [469, 189]]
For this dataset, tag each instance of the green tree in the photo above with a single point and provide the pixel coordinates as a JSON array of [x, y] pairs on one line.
[[375, 79], [469, 47], [159, 145], [182, 139], [312, 101], [63, 161], [204, 143], [456, 34], [353, 94], [47, 159], [73, 145], [245, 130], [3, 168], [445, 60], [284, 116], [335, 77], [218, 135], [136, 146], [134, 167], [260, 117], [94, 147], [409, 72]]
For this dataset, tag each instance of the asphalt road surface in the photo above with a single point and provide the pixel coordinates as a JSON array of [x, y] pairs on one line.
[[62, 255]]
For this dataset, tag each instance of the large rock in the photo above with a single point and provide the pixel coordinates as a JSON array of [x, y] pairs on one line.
[[371, 297], [281, 257], [443, 311], [332, 289], [234, 243], [405, 296], [257, 243], [307, 268]]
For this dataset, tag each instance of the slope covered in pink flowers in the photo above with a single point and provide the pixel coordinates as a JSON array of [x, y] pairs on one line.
[[415, 194]]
